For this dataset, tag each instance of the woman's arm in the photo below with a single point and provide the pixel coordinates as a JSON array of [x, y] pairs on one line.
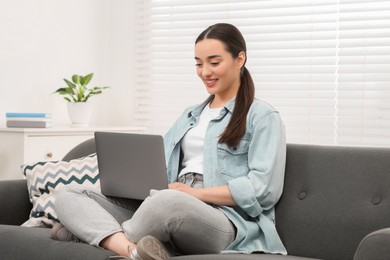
[[262, 187], [220, 195]]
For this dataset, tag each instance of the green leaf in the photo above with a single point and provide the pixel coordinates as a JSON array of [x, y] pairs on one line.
[[100, 88], [82, 81], [88, 96], [87, 79], [81, 93], [70, 84], [61, 91], [70, 91], [76, 79]]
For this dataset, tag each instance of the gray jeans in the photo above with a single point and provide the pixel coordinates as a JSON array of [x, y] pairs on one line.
[[192, 226]]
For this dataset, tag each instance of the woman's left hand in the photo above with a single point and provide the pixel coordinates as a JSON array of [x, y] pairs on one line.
[[184, 188], [216, 195]]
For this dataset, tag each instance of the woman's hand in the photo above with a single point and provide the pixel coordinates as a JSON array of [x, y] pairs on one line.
[[215, 195], [184, 188]]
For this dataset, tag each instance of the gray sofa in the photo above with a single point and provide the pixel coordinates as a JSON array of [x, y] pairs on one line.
[[335, 206]]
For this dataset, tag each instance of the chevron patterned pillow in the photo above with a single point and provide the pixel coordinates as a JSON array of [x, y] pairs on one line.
[[44, 179]]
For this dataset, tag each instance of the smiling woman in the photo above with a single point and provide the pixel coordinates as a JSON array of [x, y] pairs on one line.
[[225, 165]]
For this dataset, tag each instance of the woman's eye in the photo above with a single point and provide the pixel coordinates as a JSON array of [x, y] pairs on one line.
[[198, 65], [214, 63]]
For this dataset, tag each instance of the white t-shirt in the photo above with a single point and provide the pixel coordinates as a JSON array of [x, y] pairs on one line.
[[192, 143]]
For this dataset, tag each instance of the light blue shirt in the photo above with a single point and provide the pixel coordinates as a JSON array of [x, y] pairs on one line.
[[253, 170]]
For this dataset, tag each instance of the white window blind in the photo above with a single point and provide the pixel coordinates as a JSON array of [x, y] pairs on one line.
[[324, 64]]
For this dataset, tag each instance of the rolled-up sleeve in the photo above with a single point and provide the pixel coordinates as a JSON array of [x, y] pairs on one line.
[[262, 187]]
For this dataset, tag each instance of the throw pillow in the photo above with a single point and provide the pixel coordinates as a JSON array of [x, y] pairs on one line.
[[44, 179]]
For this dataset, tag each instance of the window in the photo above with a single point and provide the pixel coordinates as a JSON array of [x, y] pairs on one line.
[[324, 64]]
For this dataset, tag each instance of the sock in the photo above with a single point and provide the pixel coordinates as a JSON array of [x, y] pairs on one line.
[[134, 255]]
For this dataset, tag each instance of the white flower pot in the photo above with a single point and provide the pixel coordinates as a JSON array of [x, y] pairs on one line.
[[80, 113]]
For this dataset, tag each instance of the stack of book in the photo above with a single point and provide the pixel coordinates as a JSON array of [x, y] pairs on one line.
[[28, 120]]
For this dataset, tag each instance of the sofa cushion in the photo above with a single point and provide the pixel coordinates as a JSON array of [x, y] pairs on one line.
[[21, 243], [242, 257], [44, 179]]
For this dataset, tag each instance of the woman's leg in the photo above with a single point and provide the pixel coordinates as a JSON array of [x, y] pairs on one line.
[[193, 226], [91, 216]]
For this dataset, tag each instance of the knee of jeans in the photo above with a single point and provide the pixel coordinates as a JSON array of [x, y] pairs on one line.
[[168, 195], [173, 201]]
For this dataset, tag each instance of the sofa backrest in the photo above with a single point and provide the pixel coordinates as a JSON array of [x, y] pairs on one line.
[[333, 197], [83, 149]]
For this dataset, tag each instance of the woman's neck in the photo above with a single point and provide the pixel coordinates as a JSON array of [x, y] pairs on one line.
[[218, 102]]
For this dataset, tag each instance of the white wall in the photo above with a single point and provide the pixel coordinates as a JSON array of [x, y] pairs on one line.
[[44, 41]]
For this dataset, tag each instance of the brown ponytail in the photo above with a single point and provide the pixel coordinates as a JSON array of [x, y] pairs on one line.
[[237, 125], [234, 43]]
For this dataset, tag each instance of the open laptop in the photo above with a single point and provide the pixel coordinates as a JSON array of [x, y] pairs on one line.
[[130, 165]]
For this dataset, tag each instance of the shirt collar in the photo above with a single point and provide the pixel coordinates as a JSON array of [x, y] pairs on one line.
[[230, 105], [198, 109]]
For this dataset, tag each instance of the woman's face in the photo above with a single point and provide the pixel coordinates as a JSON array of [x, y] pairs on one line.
[[218, 70]]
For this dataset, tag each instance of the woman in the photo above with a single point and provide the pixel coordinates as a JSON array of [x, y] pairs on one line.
[[225, 165]]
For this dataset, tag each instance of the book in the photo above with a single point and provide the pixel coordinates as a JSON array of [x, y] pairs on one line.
[[28, 124], [43, 119], [28, 115]]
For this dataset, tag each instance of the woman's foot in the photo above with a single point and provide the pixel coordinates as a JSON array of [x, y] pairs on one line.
[[149, 248], [61, 233]]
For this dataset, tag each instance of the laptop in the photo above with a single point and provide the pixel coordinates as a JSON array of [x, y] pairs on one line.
[[130, 165]]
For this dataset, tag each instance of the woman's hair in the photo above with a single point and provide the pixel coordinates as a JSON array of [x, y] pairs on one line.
[[234, 43]]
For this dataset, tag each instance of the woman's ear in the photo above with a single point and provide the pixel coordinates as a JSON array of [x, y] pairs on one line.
[[241, 59]]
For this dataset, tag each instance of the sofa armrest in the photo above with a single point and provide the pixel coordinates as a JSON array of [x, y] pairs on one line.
[[375, 245], [15, 204]]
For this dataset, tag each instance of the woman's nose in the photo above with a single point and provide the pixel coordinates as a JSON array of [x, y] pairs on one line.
[[206, 71]]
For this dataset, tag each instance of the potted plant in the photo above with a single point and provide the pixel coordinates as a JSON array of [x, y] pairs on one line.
[[77, 95]]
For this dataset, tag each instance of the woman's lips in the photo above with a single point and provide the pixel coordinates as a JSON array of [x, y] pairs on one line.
[[210, 82]]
